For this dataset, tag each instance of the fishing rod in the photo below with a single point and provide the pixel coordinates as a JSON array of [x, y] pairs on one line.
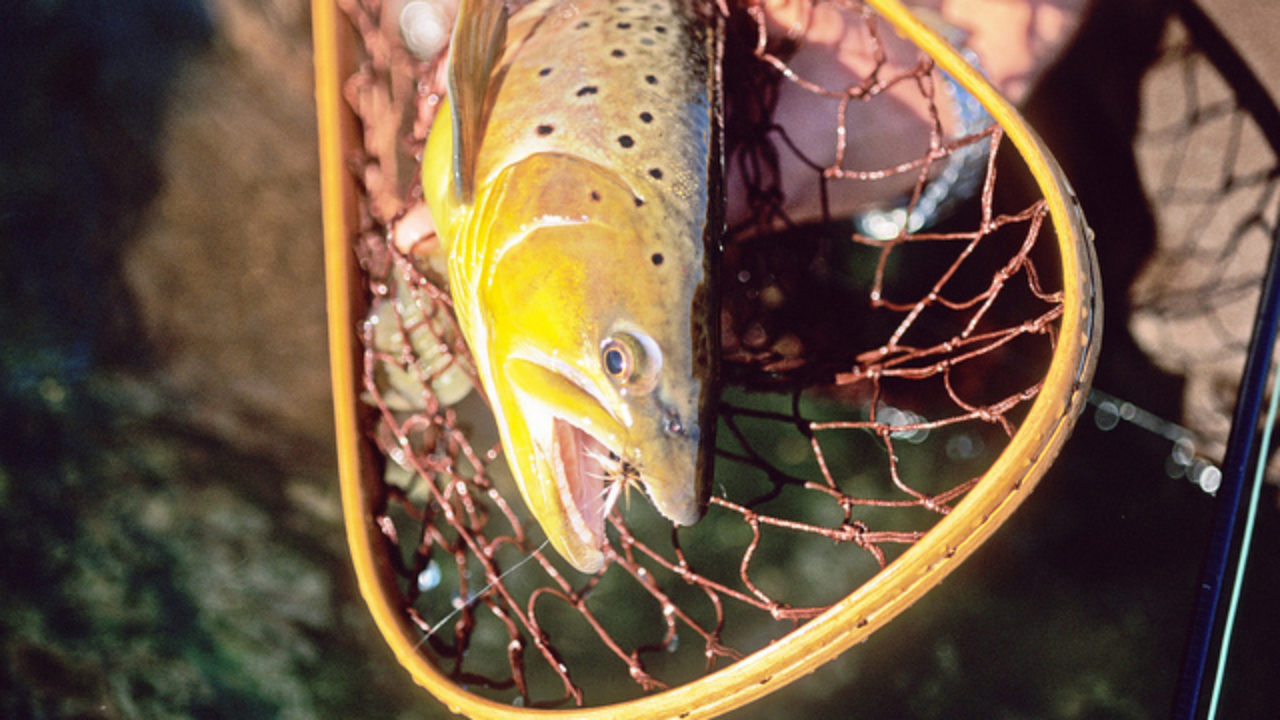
[[1212, 621]]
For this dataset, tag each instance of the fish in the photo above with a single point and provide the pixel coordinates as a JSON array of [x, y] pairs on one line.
[[574, 173]]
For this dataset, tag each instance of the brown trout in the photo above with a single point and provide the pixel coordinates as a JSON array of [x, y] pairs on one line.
[[574, 175]]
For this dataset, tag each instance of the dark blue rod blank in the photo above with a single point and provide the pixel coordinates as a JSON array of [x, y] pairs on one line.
[[1229, 501]]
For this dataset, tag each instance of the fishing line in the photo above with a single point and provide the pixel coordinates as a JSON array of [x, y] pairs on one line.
[[477, 595], [1110, 410], [610, 494], [1182, 461], [1246, 542]]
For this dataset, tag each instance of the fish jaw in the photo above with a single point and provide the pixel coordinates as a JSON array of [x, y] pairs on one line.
[[674, 469], [559, 438], [567, 445]]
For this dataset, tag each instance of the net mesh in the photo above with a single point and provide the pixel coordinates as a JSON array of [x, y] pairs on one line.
[[880, 351]]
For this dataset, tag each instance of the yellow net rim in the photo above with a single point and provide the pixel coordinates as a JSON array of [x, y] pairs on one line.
[[1001, 489]]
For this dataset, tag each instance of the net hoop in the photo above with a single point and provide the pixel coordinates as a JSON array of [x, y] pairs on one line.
[[850, 620]]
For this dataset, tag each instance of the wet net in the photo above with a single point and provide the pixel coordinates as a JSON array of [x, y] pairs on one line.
[[891, 320]]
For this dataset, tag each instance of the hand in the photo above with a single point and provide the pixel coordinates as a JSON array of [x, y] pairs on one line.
[[1015, 41]]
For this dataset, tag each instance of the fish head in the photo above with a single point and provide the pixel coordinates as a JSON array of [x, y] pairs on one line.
[[597, 344]]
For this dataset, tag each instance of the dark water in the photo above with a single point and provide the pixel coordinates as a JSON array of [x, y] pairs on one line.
[[149, 569], [153, 569]]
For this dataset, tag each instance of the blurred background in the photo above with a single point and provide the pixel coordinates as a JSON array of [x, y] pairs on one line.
[[169, 521]]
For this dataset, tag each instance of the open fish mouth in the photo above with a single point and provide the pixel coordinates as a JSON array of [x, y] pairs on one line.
[[577, 446], [573, 451], [578, 463]]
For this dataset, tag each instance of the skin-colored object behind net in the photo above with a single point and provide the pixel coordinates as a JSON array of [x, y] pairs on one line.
[[985, 506]]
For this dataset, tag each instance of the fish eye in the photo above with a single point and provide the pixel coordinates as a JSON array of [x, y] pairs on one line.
[[617, 360], [631, 361]]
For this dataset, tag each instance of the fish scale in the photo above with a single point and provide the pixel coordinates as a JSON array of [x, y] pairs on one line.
[[623, 84]]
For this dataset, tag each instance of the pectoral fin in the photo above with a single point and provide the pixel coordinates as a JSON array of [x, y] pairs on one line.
[[478, 38]]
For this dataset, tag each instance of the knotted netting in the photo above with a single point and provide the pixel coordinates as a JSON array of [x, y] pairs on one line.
[[907, 331]]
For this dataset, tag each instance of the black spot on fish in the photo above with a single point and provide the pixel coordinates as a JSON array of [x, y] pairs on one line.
[[660, 29], [639, 202], [657, 258], [655, 173], [587, 90], [582, 25], [545, 130], [544, 72], [618, 53], [646, 117], [651, 79], [624, 26], [626, 141], [595, 196]]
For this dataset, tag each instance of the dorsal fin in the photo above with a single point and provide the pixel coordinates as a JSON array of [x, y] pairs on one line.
[[478, 37]]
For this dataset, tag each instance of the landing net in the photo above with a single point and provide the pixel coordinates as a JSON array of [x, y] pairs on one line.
[[903, 359]]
